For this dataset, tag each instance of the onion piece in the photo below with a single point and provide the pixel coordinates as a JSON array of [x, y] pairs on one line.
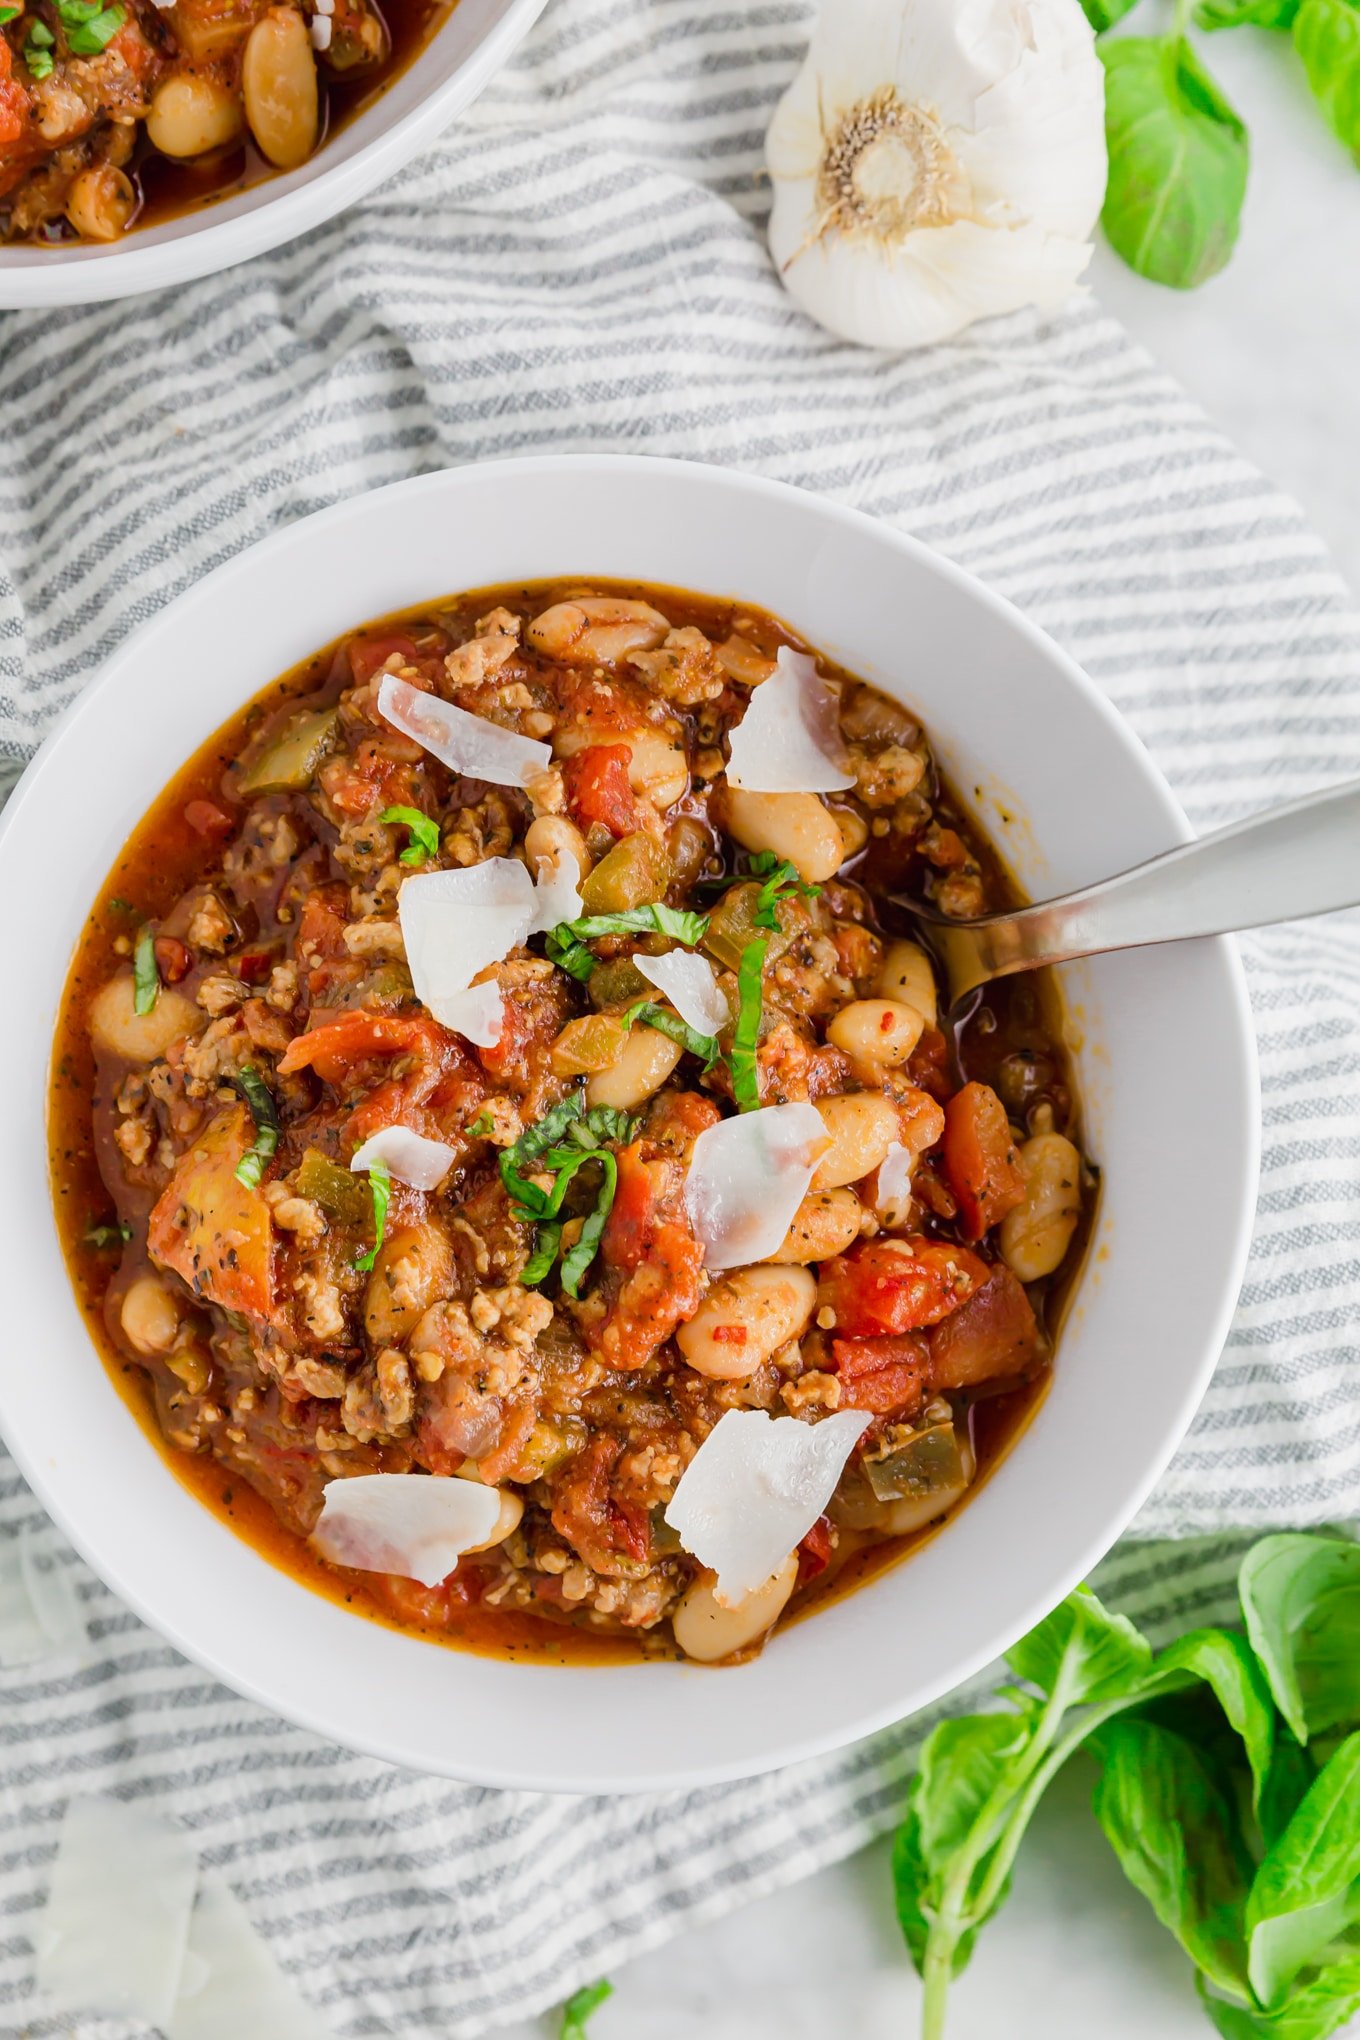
[[231, 1985], [789, 739], [113, 1934], [747, 1177], [556, 892], [688, 982], [415, 1524], [755, 1488], [456, 924], [465, 743], [406, 1155]]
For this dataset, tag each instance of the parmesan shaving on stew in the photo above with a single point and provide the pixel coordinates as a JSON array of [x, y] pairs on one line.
[[894, 1178], [415, 1524], [406, 1155], [40, 1614], [789, 739], [556, 894], [112, 1936], [456, 924], [747, 1177], [690, 985], [755, 1488], [231, 1986], [478, 1014], [465, 743]]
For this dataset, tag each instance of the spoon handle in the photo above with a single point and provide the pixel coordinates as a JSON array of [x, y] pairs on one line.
[[1282, 865]]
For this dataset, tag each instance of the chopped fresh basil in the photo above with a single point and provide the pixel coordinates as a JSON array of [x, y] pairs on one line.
[[8, 14], [424, 844], [117, 904], [90, 26], [746, 1034], [38, 57], [265, 1114], [576, 1261], [480, 1127], [560, 1145], [579, 2007], [705, 1046], [567, 941], [380, 1189], [146, 979], [102, 1236], [781, 883]]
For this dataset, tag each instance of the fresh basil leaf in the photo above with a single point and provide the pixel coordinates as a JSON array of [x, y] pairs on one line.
[[1225, 1663], [577, 1259], [481, 1126], [781, 882], [102, 1236], [1178, 162], [265, 1114], [579, 2007], [1082, 1650], [1307, 1890], [1292, 1771], [1327, 38], [89, 29], [1177, 1841], [1317, 2009], [424, 832], [380, 1189], [705, 1046], [1212, 14], [746, 1033], [1300, 1598], [566, 943], [543, 1259], [146, 979], [8, 14], [1103, 14]]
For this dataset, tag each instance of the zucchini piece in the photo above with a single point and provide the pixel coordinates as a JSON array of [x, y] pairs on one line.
[[633, 874], [288, 765], [341, 1195]]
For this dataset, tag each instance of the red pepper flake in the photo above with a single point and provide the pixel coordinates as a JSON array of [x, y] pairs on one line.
[[729, 1335]]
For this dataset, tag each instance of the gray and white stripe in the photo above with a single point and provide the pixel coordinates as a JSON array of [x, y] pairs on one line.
[[582, 267]]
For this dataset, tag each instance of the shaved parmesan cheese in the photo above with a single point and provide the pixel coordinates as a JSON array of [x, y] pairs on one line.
[[688, 982], [415, 1524], [40, 1614], [755, 1488], [465, 743], [406, 1155], [321, 32], [789, 739], [894, 1179], [456, 924], [113, 1934], [231, 1985], [747, 1177], [478, 1014], [556, 894]]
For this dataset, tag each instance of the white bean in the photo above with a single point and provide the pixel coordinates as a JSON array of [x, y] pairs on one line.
[[745, 1318], [707, 1631], [825, 1223], [862, 1127], [192, 113], [657, 767], [598, 628], [119, 1029], [1037, 1233], [644, 1063], [798, 826], [149, 1316], [882, 1031], [551, 836], [100, 203], [278, 85], [511, 1510], [906, 973]]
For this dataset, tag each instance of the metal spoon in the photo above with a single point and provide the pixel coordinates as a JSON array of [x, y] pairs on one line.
[[1282, 865]]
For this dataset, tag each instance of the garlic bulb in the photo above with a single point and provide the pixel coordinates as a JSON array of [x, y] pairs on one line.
[[936, 162]]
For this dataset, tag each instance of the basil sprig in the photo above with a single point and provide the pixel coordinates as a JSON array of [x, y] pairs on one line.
[[423, 847], [1228, 1787], [146, 978], [380, 1190], [746, 1033], [560, 1145], [646, 1011], [566, 943], [265, 1114]]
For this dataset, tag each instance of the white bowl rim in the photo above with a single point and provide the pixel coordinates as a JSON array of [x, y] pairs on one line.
[[792, 1747], [289, 204]]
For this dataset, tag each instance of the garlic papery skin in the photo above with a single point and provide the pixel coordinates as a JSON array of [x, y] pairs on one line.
[[936, 162]]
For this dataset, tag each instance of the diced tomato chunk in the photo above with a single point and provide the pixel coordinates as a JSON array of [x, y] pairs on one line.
[[814, 1553], [209, 1227], [172, 959], [366, 654], [321, 930], [366, 778], [253, 966], [598, 789], [631, 1226], [980, 1159], [992, 1336], [208, 820], [884, 1375], [336, 1046], [928, 1064], [14, 100], [889, 1285]]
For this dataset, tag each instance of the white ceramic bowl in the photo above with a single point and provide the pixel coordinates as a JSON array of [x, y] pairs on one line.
[[460, 58], [1167, 1070]]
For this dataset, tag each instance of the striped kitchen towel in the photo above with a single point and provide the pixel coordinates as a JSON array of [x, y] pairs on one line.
[[582, 266]]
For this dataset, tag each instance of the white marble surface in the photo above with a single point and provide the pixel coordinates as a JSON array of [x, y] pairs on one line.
[[1269, 348]]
